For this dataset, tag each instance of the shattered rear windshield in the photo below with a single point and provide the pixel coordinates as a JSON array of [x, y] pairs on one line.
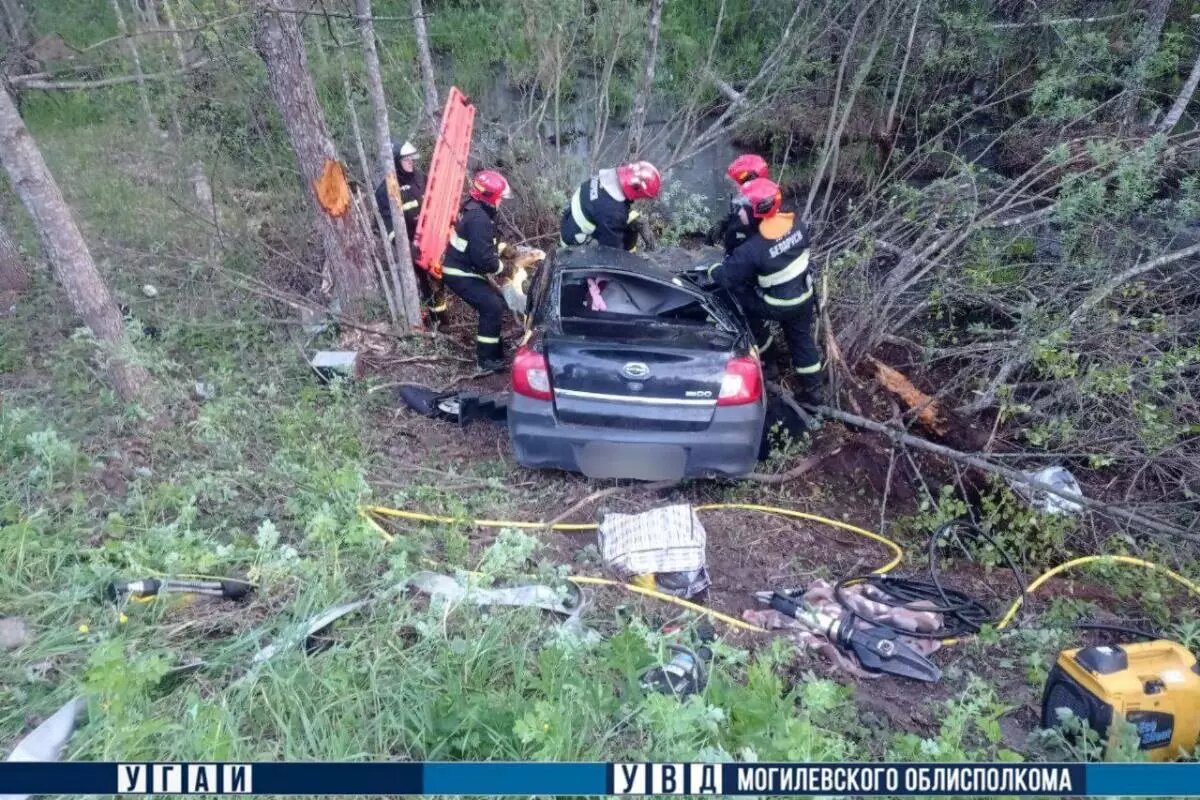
[[618, 297]]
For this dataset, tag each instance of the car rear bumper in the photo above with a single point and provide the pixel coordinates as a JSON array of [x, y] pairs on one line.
[[729, 446]]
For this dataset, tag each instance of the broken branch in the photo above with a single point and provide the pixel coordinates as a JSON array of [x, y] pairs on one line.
[[898, 435], [34, 82]]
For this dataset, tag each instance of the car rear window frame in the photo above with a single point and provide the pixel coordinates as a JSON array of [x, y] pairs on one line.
[[554, 301]]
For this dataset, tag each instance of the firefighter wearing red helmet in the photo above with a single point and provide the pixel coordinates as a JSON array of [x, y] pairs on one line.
[[472, 257], [730, 232], [602, 207], [769, 276]]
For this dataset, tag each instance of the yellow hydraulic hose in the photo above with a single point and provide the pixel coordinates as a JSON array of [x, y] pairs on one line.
[[577, 527], [1050, 573], [587, 580], [581, 527], [898, 552], [418, 516]]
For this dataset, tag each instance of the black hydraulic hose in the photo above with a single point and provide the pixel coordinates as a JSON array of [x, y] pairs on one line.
[[962, 613]]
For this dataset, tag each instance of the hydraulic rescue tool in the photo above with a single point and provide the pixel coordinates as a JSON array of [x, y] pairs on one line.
[[1154, 685], [152, 587], [876, 647]]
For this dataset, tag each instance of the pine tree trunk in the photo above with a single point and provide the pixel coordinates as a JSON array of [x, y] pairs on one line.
[[68, 254], [386, 273], [425, 57], [13, 277], [16, 23], [1156, 17], [135, 55], [347, 250], [196, 175], [408, 301], [637, 121]]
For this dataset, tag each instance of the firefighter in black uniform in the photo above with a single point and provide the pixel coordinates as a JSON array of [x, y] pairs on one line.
[[769, 276], [473, 257], [602, 206], [412, 192], [730, 232]]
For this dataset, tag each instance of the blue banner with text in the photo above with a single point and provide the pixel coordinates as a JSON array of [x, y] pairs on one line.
[[567, 779]]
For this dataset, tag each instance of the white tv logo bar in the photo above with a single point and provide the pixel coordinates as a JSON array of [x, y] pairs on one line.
[[184, 779]]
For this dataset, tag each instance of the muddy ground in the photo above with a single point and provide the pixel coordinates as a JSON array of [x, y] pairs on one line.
[[746, 551]]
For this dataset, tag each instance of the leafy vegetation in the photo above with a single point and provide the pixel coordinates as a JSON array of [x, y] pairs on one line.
[[1033, 325]]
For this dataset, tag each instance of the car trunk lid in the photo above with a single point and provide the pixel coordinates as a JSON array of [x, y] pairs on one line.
[[637, 374]]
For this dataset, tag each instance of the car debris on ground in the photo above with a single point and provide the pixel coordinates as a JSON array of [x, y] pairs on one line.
[[45, 743], [662, 548], [1058, 478]]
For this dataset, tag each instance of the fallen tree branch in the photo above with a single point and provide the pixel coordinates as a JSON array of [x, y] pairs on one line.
[[164, 31], [807, 465], [725, 88], [1101, 293], [1046, 23], [1148, 524], [609, 492], [34, 82], [1181, 100]]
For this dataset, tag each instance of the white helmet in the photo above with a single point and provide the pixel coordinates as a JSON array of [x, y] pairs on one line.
[[406, 150]]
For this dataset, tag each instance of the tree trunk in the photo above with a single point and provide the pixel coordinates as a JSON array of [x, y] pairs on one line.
[[195, 171], [135, 55], [1156, 17], [147, 11], [347, 250], [426, 61], [386, 274], [1182, 99], [68, 254], [409, 302], [13, 277], [16, 23], [637, 121]]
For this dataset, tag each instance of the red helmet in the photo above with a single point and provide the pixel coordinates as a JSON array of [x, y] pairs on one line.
[[762, 197], [639, 180], [489, 187], [747, 167]]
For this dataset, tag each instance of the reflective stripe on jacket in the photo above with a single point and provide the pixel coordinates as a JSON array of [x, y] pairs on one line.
[[775, 259], [593, 213], [472, 249], [412, 192]]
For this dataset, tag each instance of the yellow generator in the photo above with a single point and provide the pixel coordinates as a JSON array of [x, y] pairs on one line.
[[1154, 685]]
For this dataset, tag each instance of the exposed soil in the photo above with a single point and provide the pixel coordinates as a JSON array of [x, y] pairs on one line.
[[746, 551]]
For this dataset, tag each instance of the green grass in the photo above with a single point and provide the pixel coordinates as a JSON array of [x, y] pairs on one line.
[[263, 480]]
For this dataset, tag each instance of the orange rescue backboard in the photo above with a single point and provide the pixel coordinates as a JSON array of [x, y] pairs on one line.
[[444, 186]]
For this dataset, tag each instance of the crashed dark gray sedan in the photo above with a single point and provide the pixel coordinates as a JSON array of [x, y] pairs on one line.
[[631, 368]]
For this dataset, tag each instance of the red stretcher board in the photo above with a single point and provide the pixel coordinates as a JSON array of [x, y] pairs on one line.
[[444, 184]]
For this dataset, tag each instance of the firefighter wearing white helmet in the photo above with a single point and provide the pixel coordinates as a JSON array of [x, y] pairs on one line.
[[412, 188], [412, 192]]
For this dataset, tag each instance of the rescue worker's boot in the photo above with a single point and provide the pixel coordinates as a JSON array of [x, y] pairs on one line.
[[490, 356], [811, 392]]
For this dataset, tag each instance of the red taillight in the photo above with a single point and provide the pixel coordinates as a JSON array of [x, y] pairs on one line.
[[530, 375], [742, 382]]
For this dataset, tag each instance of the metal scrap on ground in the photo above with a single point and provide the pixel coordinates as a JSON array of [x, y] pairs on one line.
[[46, 741]]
